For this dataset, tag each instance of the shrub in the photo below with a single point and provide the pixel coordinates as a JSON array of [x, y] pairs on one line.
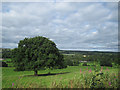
[[3, 64], [76, 63], [69, 62], [105, 63], [85, 64]]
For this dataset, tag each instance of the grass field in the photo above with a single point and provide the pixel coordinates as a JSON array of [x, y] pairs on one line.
[[70, 77]]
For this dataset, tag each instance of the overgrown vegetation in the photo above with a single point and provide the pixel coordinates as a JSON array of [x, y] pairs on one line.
[[70, 77]]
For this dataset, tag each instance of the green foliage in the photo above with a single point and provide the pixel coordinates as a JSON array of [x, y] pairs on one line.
[[9, 62], [3, 64], [37, 53], [97, 79], [6, 53], [91, 56], [71, 60], [85, 64], [91, 81], [105, 62]]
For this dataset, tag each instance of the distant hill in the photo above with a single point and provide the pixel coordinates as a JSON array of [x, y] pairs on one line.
[[84, 52]]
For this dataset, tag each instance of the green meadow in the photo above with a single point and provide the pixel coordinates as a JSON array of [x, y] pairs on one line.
[[70, 77]]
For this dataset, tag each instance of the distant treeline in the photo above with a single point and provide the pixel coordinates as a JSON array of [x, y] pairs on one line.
[[6, 52], [74, 58]]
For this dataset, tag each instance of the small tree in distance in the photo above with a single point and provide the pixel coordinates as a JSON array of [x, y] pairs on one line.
[[35, 54]]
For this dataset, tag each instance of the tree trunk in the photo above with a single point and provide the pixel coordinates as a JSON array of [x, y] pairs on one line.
[[35, 73]]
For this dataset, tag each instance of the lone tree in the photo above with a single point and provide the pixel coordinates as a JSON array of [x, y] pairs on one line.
[[35, 54]]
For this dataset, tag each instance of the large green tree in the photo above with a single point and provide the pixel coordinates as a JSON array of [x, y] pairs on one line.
[[37, 53]]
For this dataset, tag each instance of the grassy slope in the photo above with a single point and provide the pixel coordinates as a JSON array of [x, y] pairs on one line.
[[22, 80]]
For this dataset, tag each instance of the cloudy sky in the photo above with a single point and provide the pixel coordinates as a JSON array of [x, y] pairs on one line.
[[85, 26]]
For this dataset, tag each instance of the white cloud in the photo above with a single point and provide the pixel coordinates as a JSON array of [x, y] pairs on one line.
[[69, 25]]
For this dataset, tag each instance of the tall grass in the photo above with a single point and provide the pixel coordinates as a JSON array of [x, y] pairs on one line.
[[90, 80], [77, 77]]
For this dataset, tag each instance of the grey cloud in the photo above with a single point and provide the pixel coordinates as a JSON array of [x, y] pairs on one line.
[[88, 26]]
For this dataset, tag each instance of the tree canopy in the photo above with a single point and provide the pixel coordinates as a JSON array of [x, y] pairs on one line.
[[37, 53]]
